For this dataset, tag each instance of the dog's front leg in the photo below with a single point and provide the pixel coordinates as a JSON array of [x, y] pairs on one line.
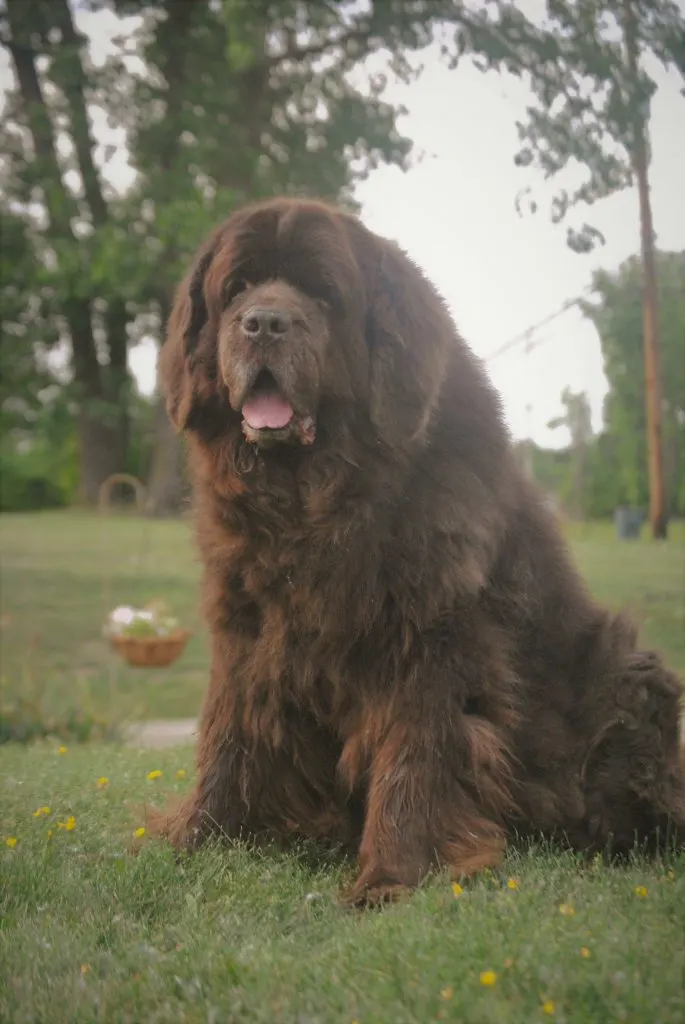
[[266, 769], [438, 795]]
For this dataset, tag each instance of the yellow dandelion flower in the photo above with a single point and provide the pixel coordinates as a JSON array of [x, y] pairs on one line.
[[139, 833], [641, 891], [488, 978], [447, 993], [457, 890], [181, 773], [102, 782], [69, 825], [585, 953], [156, 774], [63, 750], [49, 833], [513, 883], [40, 811], [11, 841], [548, 1007], [566, 909]]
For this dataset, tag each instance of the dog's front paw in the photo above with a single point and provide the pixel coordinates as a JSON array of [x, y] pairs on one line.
[[373, 889], [180, 824]]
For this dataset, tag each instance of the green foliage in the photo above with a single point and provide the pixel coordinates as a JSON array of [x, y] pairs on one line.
[[31, 710], [577, 419], [604, 490], [617, 315], [33, 479], [23, 720], [611, 469], [219, 101], [588, 105], [39, 445]]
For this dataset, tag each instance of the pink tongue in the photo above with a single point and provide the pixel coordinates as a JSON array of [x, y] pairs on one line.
[[270, 410]]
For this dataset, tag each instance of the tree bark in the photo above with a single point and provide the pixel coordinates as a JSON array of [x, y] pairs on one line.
[[101, 393], [652, 342], [103, 448], [166, 486], [165, 483], [100, 455]]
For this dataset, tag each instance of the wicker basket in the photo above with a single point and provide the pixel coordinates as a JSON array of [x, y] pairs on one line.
[[151, 651]]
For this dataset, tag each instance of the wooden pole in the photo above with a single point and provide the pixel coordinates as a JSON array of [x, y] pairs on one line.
[[650, 302]]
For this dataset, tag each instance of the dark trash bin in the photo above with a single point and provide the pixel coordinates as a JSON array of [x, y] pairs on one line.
[[628, 522]]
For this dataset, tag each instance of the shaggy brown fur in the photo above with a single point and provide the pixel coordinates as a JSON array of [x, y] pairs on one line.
[[404, 659]]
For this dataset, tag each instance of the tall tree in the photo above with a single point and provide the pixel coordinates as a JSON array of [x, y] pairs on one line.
[[246, 98], [27, 333], [577, 419], [217, 101], [49, 143], [591, 113], [617, 314]]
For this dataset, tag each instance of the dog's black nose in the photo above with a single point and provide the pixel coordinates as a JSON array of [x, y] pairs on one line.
[[266, 324]]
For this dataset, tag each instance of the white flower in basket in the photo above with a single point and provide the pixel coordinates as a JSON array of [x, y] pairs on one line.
[[146, 636]]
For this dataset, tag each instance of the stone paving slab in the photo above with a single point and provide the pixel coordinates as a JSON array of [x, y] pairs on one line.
[[176, 731], [162, 733]]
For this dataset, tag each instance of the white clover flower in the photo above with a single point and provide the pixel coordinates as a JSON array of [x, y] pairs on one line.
[[155, 616], [123, 615]]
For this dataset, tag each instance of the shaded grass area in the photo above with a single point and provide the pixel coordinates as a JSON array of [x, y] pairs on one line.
[[89, 932], [63, 572]]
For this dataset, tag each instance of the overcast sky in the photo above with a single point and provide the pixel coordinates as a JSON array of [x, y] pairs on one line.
[[501, 273]]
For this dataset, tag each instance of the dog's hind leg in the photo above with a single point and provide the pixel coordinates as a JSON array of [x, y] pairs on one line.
[[634, 770]]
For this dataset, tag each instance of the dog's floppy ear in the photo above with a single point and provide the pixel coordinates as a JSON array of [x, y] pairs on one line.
[[408, 333], [186, 320]]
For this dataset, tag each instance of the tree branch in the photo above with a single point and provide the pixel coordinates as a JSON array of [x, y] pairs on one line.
[[172, 37], [301, 53], [68, 73], [59, 203]]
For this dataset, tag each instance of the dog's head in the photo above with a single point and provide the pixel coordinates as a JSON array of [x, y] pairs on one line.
[[295, 318]]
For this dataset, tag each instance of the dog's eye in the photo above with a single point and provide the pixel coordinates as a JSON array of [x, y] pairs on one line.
[[233, 289]]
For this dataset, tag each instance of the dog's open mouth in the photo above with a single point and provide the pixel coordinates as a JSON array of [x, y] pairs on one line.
[[267, 408], [269, 416]]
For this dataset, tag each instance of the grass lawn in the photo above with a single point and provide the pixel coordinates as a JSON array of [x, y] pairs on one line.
[[90, 933], [63, 572]]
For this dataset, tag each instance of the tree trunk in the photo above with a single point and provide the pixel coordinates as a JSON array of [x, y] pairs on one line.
[[652, 341], [102, 392], [101, 453], [166, 486], [102, 417], [117, 380]]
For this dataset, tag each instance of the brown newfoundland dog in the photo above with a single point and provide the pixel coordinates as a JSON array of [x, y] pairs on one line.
[[404, 660]]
